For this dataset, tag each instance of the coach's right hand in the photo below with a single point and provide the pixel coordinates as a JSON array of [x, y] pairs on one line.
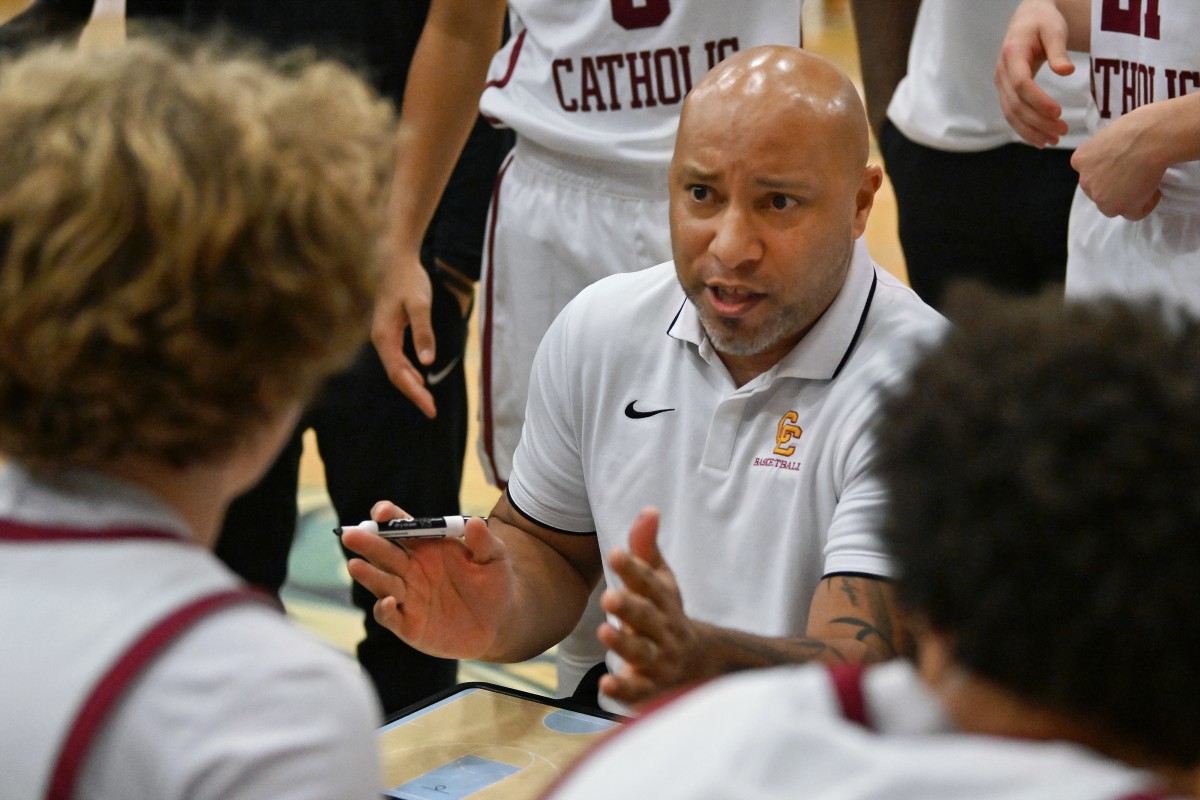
[[445, 597]]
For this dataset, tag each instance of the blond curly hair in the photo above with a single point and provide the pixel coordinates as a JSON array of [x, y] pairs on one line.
[[187, 244]]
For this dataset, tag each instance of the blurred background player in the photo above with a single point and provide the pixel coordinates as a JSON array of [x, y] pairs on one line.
[[1134, 230], [974, 200]]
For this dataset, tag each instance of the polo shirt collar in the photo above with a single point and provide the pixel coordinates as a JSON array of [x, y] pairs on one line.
[[826, 347]]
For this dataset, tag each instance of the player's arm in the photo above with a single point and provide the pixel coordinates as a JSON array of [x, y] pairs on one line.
[[1040, 32], [441, 103], [1122, 166], [884, 29], [507, 591]]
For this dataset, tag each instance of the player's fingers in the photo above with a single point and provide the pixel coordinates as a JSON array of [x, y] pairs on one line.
[[1145, 210], [1035, 129], [411, 383], [1035, 115], [1036, 108], [1060, 62], [1054, 44], [424, 341]]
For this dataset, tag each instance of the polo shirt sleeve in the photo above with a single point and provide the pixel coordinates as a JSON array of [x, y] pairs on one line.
[[547, 482], [853, 542]]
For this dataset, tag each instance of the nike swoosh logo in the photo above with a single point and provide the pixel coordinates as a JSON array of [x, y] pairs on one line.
[[633, 413], [434, 378]]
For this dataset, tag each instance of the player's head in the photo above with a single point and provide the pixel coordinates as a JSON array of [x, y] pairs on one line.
[[769, 189], [1042, 471], [187, 241]]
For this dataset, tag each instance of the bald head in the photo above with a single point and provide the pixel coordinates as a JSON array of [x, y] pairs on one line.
[[787, 81], [770, 187]]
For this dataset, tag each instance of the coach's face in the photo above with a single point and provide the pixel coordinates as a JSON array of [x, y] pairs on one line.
[[768, 193]]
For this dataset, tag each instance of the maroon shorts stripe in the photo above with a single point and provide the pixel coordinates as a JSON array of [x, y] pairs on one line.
[[487, 425]]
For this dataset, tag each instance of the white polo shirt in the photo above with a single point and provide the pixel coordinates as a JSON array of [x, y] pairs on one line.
[[763, 489]]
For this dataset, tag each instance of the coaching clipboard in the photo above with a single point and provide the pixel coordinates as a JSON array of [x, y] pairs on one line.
[[486, 742]]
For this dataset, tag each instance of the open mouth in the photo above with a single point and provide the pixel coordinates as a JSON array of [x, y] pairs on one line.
[[730, 302]]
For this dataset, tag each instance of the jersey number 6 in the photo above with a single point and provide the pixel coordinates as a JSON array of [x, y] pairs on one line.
[[634, 14]]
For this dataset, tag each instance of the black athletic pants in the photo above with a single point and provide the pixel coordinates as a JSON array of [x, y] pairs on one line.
[[997, 216]]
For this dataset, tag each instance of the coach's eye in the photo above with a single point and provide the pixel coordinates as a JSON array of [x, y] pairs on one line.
[[699, 192], [781, 202]]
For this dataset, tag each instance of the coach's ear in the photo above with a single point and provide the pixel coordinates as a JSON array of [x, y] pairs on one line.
[[864, 197]]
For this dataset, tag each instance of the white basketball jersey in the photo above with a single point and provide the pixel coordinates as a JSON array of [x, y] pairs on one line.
[[948, 101], [1145, 52], [604, 79]]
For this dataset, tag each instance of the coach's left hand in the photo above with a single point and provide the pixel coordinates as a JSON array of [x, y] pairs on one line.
[[660, 644]]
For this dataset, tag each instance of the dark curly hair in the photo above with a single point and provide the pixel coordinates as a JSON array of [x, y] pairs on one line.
[[187, 244], [1043, 468]]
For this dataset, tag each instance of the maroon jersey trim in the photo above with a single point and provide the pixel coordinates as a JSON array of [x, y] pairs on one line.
[[848, 685], [111, 687]]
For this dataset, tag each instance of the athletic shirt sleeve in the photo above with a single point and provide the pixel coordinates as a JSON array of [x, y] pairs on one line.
[[902, 328], [852, 543], [243, 707]]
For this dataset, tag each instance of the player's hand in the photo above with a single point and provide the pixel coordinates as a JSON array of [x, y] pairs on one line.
[[660, 645], [445, 597], [1118, 168], [404, 299], [1037, 35]]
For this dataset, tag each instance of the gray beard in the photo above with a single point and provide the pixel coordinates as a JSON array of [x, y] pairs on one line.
[[728, 339]]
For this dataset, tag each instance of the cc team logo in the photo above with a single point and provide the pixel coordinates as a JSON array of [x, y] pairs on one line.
[[786, 434]]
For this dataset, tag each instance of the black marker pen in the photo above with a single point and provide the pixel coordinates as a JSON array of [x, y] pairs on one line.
[[415, 528]]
